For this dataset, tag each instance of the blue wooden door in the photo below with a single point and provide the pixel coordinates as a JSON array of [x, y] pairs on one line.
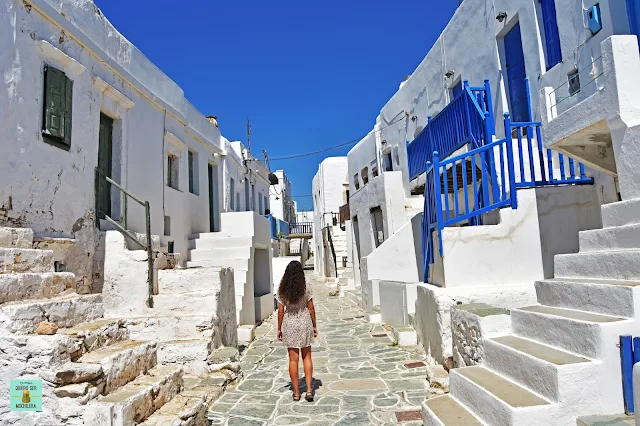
[[516, 74], [633, 12]]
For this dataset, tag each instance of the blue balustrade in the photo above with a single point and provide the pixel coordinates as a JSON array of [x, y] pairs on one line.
[[464, 121]]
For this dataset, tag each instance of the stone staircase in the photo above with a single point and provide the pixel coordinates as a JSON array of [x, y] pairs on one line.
[[107, 371], [561, 360]]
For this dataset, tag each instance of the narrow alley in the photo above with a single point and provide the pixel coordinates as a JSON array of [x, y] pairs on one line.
[[360, 377]]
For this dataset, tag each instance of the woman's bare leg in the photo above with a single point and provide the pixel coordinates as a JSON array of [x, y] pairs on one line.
[[294, 356], [308, 367]]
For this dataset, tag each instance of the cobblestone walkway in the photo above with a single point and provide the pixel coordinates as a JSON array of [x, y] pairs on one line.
[[359, 376]]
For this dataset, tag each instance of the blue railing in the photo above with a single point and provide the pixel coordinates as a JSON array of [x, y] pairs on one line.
[[459, 123], [283, 229], [629, 356], [279, 228]]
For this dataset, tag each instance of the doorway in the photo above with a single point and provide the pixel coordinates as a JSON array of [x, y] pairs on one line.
[[105, 154], [516, 74], [377, 225], [214, 205]]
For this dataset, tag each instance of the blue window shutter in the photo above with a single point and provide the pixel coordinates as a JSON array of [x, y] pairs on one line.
[[551, 34]]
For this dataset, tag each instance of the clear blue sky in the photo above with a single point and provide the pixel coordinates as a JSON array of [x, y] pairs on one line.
[[309, 74]]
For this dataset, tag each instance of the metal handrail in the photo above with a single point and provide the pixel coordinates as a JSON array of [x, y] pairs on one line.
[[122, 228]]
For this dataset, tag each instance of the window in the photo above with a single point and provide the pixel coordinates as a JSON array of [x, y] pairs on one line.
[[237, 200], [232, 192], [266, 203], [253, 197], [193, 173], [56, 117], [260, 211], [172, 171], [374, 168], [246, 195], [356, 234], [387, 162], [356, 182], [551, 35], [574, 82], [167, 226], [365, 175], [377, 226]]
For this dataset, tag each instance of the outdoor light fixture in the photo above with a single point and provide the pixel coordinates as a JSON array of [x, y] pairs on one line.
[[449, 74], [501, 16], [414, 118]]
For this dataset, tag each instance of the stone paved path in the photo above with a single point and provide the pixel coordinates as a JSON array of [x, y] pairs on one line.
[[361, 377]]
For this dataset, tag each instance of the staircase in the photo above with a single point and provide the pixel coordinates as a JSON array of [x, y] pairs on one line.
[[104, 371], [561, 360]]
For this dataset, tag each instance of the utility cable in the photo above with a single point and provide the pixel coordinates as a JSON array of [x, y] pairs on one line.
[[287, 157]]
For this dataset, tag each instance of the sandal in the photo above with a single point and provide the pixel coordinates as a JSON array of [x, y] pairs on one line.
[[296, 397], [309, 397]]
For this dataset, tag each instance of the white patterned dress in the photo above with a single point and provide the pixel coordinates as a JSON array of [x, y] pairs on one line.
[[297, 327]]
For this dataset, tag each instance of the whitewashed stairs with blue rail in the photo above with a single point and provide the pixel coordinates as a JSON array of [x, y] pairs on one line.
[[561, 361]]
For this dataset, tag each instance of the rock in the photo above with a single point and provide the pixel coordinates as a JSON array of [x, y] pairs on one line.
[[193, 411], [232, 366], [91, 394], [47, 328], [73, 372], [224, 354], [438, 378], [71, 391]]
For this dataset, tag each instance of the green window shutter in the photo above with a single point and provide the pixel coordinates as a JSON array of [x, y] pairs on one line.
[[191, 189], [58, 94]]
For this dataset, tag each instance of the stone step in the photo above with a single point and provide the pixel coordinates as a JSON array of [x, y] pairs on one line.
[[446, 411], [543, 369], [137, 400], [170, 327], [615, 238], [202, 301], [496, 400], [178, 281], [220, 253], [180, 410], [94, 335], [606, 297], [213, 242], [220, 262], [16, 237], [65, 311], [580, 332], [122, 362], [183, 352], [19, 260], [608, 265], [621, 213], [31, 285]]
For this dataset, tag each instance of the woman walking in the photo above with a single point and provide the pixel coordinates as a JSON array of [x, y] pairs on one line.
[[297, 325]]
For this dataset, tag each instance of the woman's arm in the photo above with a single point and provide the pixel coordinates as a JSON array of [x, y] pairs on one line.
[[312, 312], [280, 318]]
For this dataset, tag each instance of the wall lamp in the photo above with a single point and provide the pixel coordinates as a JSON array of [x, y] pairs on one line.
[[414, 118], [449, 74], [501, 16]]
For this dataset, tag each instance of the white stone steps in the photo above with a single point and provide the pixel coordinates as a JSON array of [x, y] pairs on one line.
[[31, 285], [611, 265], [96, 334], [16, 237], [496, 400], [243, 253], [177, 281], [180, 408], [617, 238], [66, 311], [19, 260], [170, 327], [580, 332], [219, 242], [183, 351], [136, 401], [122, 362], [220, 262], [545, 370], [196, 301], [446, 411], [606, 297], [621, 213]]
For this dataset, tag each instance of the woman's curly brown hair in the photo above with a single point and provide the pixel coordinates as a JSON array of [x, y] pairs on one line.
[[293, 285]]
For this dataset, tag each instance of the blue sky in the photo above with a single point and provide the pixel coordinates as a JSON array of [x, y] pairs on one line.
[[309, 75]]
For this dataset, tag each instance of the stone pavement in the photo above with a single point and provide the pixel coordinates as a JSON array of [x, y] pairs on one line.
[[360, 377]]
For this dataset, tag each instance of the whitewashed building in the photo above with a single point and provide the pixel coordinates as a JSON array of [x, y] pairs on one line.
[[282, 205], [87, 117]]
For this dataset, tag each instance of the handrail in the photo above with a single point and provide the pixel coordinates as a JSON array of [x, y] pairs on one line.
[[300, 228], [122, 228]]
